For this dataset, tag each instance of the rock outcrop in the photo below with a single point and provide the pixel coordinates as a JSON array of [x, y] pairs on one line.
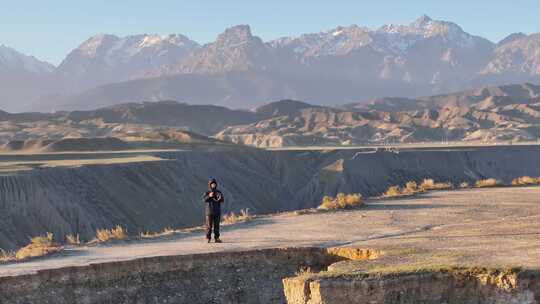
[[430, 287]]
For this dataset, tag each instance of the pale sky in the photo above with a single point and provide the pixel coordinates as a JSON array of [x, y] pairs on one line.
[[50, 29]]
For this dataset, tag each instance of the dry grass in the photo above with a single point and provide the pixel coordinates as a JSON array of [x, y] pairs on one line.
[[117, 233], [430, 184], [6, 256], [412, 187], [72, 239], [304, 272], [393, 191], [341, 201], [233, 218], [39, 246], [164, 232], [490, 182], [525, 180], [464, 185]]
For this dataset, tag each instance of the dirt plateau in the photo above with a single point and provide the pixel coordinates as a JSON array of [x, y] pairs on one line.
[[282, 275]]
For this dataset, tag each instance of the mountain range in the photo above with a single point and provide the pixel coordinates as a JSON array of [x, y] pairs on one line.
[[486, 114], [239, 70]]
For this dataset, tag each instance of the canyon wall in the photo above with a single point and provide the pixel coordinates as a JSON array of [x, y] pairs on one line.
[[225, 277], [150, 196], [463, 286], [265, 276]]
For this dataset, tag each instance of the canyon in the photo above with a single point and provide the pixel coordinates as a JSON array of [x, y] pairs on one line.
[[440, 246]]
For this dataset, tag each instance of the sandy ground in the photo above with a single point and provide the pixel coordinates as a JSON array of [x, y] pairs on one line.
[[16, 162], [481, 227], [9, 167]]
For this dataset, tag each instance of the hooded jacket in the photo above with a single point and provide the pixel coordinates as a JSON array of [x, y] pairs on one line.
[[213, 204]]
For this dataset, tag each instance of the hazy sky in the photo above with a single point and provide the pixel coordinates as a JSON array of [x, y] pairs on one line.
[[50, 29]]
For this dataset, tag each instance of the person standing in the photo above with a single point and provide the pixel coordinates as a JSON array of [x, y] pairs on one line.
[[213, 199]]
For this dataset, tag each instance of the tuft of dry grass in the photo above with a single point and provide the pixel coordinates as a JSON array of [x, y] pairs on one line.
[[304, 272], [73, 239], [164, 232], [117, 233], [411, 187], [525, 180], [341, 201], [490, 182], [430, 184], [464, 185], [233, 218], [393, 191], [6, 256], [39, 246]]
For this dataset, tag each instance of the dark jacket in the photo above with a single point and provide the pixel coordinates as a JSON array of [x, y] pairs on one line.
[[213, 204]]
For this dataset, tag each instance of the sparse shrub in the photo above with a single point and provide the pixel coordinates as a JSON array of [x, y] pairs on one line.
[[44, 240], [165, 231], [72, 239], [525, 180], [411, 187], [304, 272], [39, 246], [6, 256], [326, 202], [393, 191], [464, 185], [341, 201], [490, 182], [430, 184], [353, 199], [233, 218], [117, 233]]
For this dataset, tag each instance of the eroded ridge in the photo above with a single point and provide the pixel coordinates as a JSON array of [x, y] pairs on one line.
[[458, 285], [223, 277]]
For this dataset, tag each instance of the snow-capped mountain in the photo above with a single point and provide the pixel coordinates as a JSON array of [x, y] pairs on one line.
[[108, 58], [391, 38], [340, 65], [428, 51], [236, 49]]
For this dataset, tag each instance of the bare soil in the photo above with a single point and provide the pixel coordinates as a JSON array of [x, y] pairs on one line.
[[495, 227]]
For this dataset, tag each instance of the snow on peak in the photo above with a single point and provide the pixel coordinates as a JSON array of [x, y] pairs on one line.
[[393, 38], [160, 40], [338, 31], [91, 46], [119, 50], [401, 37]]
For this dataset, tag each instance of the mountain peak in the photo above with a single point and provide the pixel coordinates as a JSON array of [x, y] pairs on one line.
[[422, 21], [235, 34], [91, 46], [282, 107], [512, 37], [13, 59]]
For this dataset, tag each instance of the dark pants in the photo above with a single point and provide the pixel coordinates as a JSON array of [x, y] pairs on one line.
[[212, 221]]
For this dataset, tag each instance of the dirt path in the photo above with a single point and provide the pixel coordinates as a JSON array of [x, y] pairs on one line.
[[498, 226]]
